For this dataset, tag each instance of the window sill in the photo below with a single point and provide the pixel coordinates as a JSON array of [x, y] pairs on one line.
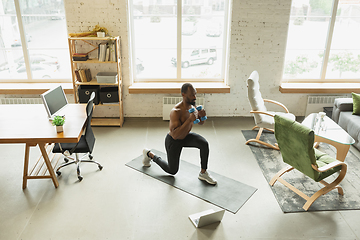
[[33, 88], [158, 87], [319, 87]]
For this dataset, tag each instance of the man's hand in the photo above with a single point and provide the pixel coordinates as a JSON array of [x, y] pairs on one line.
[[194, 115], [201, 113]]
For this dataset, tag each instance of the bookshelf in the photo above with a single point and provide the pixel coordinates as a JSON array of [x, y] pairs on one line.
[[90, 45]]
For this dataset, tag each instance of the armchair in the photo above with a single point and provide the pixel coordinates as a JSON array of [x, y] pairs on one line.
[[296, 146], [264, 119]]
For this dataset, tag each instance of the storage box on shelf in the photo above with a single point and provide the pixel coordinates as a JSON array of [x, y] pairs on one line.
[[85, 91], [109, 95], [106, 77], [108, 83]]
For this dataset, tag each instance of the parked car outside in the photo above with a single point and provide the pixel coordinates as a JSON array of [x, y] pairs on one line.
[[214, 29], [40, 58], [137, 14], [39, 71], [4, 67], [17, 41], [57, 15], [197, 56], [188, 28]]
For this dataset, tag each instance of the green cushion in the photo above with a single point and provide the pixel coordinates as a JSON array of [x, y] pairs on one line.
[[323, 159], [296, 146], [356, 103]]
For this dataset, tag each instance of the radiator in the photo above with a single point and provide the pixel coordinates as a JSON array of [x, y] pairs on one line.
[[317, 103], [21, 101], [170, 102]]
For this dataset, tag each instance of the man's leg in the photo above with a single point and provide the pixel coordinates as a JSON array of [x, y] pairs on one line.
[[173, 150], [197, 141]]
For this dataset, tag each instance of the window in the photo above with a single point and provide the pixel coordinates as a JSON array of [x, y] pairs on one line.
[[323, 41], [33, 41], [177, 41]]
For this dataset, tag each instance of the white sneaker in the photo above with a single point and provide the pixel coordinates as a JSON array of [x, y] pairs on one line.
[[206, 177], [146, 160]]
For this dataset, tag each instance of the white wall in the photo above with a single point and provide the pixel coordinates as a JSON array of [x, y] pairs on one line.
[[258, 42]]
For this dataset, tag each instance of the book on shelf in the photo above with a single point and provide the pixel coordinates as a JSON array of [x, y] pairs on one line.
[[107, 52], [77, 75], [81, 54], [107, 57], [102, 52], [112, 51], [80, 57], [88, 74], [83, 75]]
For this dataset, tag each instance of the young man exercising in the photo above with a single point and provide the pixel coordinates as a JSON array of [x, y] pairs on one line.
[[181, 122]]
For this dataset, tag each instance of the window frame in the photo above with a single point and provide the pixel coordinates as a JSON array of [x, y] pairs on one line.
[[224, 56], [325, 61], [25, 51]]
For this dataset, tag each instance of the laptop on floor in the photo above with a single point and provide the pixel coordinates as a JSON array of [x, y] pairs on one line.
[[207, 217]]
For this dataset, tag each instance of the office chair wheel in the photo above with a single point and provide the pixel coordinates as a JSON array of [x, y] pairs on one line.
[[90, 157], [100, 167], [58, 173], [80, 178]]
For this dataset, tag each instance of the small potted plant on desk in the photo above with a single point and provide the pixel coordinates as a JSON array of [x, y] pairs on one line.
[[59, 122]]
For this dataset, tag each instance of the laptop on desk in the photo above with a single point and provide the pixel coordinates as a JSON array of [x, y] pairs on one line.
[[207, 217], [54, 101]]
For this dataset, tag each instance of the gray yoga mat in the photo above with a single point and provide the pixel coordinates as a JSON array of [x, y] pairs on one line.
[[228, 194]]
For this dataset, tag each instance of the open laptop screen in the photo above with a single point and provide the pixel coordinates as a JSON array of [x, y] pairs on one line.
[[54, 100]]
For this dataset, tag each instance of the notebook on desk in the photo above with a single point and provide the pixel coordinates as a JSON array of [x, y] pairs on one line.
[[54, 101], [207, 217]]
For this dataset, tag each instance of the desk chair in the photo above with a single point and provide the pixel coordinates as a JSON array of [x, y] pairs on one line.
[[85, 144], [264, 119], [296, 146]]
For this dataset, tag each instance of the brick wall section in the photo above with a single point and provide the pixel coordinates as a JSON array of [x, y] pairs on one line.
[[257, 42]]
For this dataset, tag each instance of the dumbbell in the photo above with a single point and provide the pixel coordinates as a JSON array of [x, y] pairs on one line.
[[198, 108]]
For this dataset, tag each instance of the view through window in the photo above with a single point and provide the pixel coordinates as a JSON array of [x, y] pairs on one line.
[[158, 41], [323, 41], [43, 27]]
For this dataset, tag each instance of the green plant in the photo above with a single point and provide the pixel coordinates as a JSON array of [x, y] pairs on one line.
[[191, 12], [300, 65], [155, 12], [299, 21], [58, 121], [324, 6], [345, 62], [97, 28]]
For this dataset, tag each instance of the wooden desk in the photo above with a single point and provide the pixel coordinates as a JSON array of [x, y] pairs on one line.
[[29, 124]]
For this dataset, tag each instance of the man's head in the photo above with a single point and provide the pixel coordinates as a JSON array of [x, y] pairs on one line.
[[189, 93]]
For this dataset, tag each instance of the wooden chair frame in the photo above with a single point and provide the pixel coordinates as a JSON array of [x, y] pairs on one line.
[[257, 139], [328, 186]]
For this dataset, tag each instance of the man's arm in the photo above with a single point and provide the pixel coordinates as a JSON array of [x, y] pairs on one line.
[[178, 130]]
